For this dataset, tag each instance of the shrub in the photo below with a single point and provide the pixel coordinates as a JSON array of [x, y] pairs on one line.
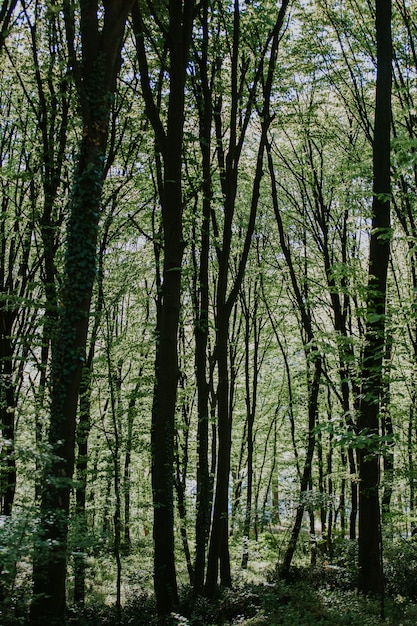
[[400, 568]]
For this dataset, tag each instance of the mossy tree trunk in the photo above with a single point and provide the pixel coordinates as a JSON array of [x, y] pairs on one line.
[[95, 76]]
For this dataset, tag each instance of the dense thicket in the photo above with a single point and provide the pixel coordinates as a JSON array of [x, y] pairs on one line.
[[207, 321]]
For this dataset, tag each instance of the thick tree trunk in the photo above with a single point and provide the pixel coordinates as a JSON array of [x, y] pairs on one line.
[[370, 550], [101, 60], [50, 564], [165, 394]]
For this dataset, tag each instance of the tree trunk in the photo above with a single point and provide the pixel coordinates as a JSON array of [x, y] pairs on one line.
[[50, 566], [83, 431], [388, 432], [251, 392], [370, 550], [201, 312], [7, 415], [313, 392], [126, 468], [228, 164], [96, 81], [170, 145]]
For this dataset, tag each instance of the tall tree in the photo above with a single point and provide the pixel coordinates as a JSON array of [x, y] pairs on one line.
[[200, 253], [227, 291], [370, 549], [175, 22], [95, 76], [16, 272], [313, 362]]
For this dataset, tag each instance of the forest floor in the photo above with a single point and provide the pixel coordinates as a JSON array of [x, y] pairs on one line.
[[321, 595], [301, 602]]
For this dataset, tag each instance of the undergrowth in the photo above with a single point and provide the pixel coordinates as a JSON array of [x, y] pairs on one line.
[[323, 594]]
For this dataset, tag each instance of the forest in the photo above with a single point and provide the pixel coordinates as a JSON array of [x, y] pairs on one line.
[[208, 312]]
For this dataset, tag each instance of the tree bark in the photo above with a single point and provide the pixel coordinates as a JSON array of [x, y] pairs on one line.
[[370, 578], [201, 310], [169, 143], [96, 81], [218, 555]]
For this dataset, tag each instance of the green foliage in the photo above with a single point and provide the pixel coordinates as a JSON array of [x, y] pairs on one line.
[[16, 545], [320, 135], [303, 603], [400, 568]]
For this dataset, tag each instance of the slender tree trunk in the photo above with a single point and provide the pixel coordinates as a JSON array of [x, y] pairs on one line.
[[82, 435], [272, 482], [314, 388], [228, 163], [330, 488], [170, 145], [7, 415], [201, 309], [251, 385], [181, 455], [127, 463], [342, 496], [83, 431], [180, 486], [321, 483], [313, 359], [219, 538], [370, 550], [116, 409], [411, 431], [388, 432]]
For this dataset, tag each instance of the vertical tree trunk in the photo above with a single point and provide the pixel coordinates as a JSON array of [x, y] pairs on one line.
[[251, 392], [313, 359], [96, 81], [330, 488], [313, 394], [169, 142], [370, 549], [114, 373], [126, 468], [388, 432], [228, 162], [201, 309], [7, 414], [83, 432]]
